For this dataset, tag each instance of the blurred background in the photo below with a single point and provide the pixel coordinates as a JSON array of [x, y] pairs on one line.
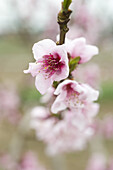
[[22, 23]]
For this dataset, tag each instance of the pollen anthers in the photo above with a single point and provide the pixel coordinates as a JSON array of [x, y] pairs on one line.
[[72, 95], [51, 64]]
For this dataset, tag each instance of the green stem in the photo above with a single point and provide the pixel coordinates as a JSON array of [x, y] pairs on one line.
[[63, 19], [66, 4]]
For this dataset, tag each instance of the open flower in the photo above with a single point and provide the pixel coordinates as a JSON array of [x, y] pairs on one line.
[[72, 94], [79, 48], [51, 64]]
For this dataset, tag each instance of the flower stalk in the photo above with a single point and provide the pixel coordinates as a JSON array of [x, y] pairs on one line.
[[63, 19]]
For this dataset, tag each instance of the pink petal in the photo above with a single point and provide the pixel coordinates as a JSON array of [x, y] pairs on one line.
[[88, 53], [33, 69], [91, 94], [42, 84], [58, 105], [42, 48], [64, 59], [60, 86], [76, 46]]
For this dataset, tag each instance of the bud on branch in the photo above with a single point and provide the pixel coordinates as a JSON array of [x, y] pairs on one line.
[[66, 4], [63, 19]]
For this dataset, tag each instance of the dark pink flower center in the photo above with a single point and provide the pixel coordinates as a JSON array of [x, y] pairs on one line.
[[51, 64], [72, 96], [71, 93]]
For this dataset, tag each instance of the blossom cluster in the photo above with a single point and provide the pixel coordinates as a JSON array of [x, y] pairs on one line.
[[65, 123]]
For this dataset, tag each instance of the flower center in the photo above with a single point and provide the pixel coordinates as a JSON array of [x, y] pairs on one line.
[[51, 64], [72, 97]]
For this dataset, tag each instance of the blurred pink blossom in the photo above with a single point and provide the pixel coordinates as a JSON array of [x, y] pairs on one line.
[[107, 127], [30, 162], [97, 162], [85, 24], [7, 162], [64, 132], [89, 74], [9, 105]]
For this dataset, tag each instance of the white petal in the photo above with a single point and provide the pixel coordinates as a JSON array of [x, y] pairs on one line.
[[88, 53], [42, 48], [42, 84], [33, 69], [58, 105]]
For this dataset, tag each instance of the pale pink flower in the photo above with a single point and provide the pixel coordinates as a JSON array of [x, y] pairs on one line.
[[9, 105], [68, 133], [73, 94], [79, 48], [66, 137], [97, 162], [42, 122], [51, 64]]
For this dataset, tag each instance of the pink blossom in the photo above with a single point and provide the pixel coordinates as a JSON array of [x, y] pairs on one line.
[[79, 48], [97, 162], [9, 104], [51, 64], [42, 122], [85, 23], [66, 133], [73, 94]]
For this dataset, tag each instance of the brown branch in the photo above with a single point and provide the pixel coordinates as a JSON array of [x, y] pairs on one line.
[[63, 19]]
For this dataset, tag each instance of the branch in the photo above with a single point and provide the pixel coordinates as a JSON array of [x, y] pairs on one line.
[[63, 19]]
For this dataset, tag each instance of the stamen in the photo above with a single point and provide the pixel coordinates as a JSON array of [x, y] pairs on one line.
[[51, 64]]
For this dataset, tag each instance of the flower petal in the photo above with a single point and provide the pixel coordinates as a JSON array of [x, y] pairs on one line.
[[33, 69], [64, 59], [42, 84], [60, 86], [75, 47], [42, 48], [58, 105], [88, 53], [91, 94]]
